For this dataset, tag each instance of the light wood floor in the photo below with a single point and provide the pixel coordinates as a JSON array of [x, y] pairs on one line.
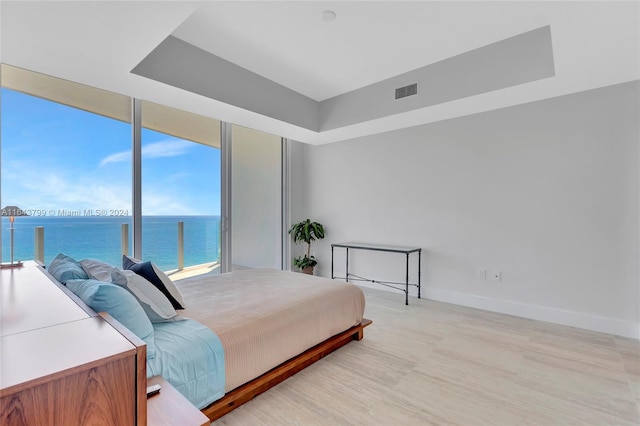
[[435, 363]]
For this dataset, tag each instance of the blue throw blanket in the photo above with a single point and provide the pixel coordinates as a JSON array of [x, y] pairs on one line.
[[190, 357]]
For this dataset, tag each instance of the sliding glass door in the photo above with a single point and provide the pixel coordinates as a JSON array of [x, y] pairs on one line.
[[256, 199]]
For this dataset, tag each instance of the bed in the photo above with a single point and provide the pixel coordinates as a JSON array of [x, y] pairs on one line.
[[234, 336], [266, 318]]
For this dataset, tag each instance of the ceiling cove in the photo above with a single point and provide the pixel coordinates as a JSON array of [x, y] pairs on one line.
[[517, 60]]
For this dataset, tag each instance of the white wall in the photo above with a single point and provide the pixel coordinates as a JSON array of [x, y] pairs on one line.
[[546, 193]]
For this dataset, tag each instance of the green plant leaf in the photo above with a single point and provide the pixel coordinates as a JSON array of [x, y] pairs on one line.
[[306, 231], [302, 262]]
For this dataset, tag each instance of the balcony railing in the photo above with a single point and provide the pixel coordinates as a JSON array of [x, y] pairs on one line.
[[124, 237]]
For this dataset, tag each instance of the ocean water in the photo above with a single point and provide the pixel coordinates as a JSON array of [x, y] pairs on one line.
[[99, 237]]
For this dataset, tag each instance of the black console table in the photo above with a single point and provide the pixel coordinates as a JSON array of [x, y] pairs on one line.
[[392, 249]]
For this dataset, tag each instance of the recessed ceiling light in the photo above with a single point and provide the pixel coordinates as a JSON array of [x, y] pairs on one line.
[[328, 15]]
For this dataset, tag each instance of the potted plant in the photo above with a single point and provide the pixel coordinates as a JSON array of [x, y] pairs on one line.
[[305, 232]]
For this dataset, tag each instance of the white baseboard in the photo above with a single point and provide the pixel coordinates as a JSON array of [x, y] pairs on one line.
[[541, 313]]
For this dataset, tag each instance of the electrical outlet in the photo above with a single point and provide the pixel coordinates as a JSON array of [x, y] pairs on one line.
[[482, 274], [497, 276]]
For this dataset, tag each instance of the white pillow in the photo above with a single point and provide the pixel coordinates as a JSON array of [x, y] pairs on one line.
[[157, 277], [155, 304], [97, 269]]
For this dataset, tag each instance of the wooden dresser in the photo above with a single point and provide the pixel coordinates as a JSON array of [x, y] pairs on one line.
[[60, 362]]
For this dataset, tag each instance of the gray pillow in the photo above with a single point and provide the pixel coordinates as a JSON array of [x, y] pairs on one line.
[[97, 269], [155, 276], [155, 304]]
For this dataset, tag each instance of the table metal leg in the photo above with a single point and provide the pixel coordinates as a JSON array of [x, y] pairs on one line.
[[406, 292], [332, 262], [346, 275], [419, 271]]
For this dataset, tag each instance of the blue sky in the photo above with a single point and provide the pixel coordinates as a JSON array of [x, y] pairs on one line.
[[56, 157]]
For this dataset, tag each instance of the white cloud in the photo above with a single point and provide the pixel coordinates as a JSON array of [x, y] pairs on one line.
[[157, 204], [52, 192], [51, 188], [168, 148], [116, 158]]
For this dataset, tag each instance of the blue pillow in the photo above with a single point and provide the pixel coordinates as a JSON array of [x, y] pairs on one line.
[[153, 274], [64, 268], [120, 304]]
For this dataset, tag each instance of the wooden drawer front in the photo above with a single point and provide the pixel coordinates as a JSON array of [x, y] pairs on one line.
[[103, 395]]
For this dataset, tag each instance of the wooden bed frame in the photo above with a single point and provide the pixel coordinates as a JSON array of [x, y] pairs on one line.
[[236, 397], [250, 390]]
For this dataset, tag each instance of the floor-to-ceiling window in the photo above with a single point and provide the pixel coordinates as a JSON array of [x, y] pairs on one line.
[[66, 164], [68, 154], [180, 188]]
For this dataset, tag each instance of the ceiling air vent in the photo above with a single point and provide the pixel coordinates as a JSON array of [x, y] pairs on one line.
[[405, 91]]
